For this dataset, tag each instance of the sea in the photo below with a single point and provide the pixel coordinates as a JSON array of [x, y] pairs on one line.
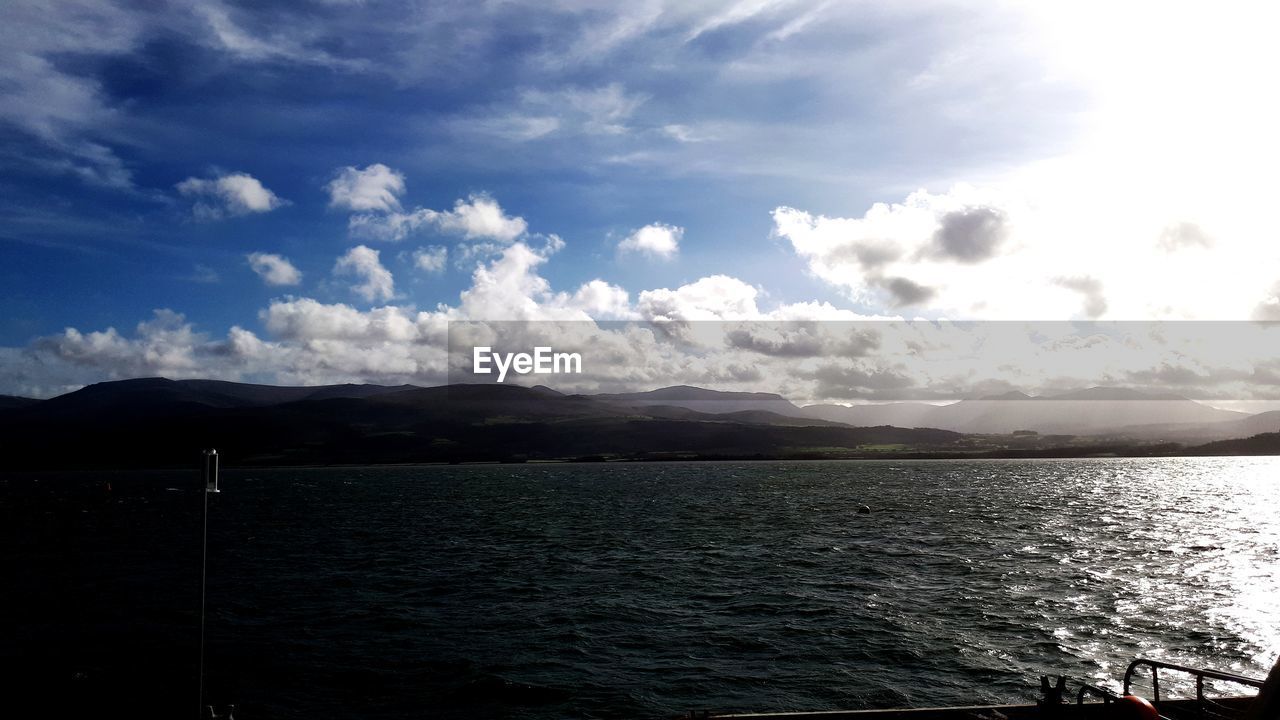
[[628, 590]]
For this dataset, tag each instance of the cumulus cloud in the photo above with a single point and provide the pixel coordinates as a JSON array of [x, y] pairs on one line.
[[718, 297], [363, 262], [1095, 302], [431, 259], [274, 269], [802, 338], [722, 339], [939, 242], [374, 188], [969, 235], [1268, 310], [996, 253], [164, 345], [656, 240], [1183, 235], [602, 301], [228, 195], [509, 288], [848, 381], [905, 292], [479, 217], [308, 320]]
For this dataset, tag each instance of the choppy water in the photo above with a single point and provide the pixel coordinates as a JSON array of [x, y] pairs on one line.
[[635, 590]]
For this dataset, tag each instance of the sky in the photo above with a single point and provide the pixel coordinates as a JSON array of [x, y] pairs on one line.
[[309, 192]]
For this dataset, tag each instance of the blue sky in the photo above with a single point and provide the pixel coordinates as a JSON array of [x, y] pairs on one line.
[[167, 172]]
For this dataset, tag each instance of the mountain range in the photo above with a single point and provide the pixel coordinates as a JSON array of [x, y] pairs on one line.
[[158, 422], [1091, 411]]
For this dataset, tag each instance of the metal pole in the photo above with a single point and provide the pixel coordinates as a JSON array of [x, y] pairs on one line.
[[210, 476]]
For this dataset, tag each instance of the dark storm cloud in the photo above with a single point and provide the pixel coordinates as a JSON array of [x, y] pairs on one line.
[[802, 339], [906, 292], [852, 382], [970, 235], [1167, 375], [1095, 303], [795, 344], [870, 254], [1183, 235]]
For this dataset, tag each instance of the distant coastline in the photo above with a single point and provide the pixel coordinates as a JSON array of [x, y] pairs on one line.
[[155, 422]]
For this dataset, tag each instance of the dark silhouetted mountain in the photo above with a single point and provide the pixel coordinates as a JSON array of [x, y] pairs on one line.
[[1262, 444], [157, 422], [161, 396], [9, 402]]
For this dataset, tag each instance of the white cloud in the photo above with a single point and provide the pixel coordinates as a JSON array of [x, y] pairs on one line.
[[958, 254], [306, 341], [904, 254], [1001, 252], [68, 115], [735, 13], [1268, 310], [389, 226], [508, 287], [535, 114], [375, 188], [274, 269], [431, 259], [306, 319], [656, 240], [165, 345], [718, 297], [1091, 291], [479, 217], [603, 301], [363, 262], [228, 195], [278, 45], [512, 126], [686, 133]]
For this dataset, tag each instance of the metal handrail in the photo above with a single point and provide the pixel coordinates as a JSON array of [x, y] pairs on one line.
[[1200, 675]]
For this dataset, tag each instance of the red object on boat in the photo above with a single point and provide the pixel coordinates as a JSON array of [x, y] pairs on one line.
[[1132, 707]]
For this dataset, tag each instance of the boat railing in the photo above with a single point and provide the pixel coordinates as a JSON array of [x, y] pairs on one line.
[[1205, 708]]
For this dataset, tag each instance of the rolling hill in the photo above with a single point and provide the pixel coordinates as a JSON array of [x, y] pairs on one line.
[[166, 423]]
